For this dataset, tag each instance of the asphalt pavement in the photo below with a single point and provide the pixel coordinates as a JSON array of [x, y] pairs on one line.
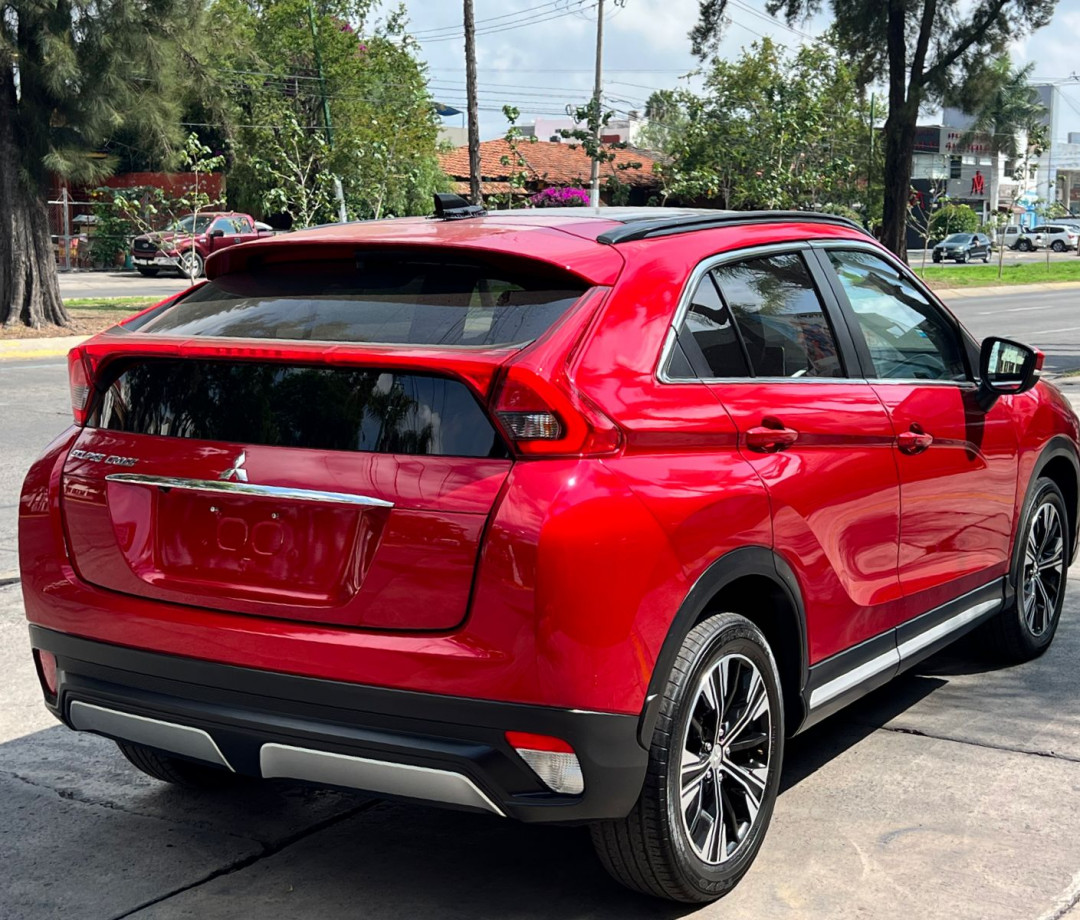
[[952, 792]]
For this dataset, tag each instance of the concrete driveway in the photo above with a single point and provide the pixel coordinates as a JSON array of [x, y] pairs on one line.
[[952, 793]]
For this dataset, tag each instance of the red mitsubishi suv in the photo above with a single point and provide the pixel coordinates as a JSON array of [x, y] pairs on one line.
[[565, 516]]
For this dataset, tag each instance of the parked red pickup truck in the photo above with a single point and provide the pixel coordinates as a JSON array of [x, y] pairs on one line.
[[185, 246]]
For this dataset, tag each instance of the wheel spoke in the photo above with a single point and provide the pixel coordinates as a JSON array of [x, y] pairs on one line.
[[752, 783], [1043, 605], [757, 704]]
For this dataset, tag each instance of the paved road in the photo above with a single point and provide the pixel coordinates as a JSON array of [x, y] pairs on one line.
[[954, 792], [118, 284], [37, 407]]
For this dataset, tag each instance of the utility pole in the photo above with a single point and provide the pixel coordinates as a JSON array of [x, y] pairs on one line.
[[339, 192], [870, 165], [472, 105], [594, 174]]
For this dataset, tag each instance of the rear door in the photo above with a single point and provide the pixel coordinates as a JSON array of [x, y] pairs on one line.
[[328, 481], [817, 435]]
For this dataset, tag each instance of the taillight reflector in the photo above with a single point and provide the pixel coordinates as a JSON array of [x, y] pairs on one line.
[[80, 381], [46, 667], [551, 759]]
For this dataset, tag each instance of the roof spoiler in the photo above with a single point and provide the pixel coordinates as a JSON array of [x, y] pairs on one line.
[[454, 207]]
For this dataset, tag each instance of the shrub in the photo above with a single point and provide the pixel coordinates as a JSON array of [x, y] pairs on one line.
[[560, 198], [953, 218]]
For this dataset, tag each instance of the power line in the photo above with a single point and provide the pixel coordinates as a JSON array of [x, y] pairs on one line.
[[456, 27], [543, 18]]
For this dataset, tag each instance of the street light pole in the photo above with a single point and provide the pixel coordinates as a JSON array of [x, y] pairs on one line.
[[594, 174]]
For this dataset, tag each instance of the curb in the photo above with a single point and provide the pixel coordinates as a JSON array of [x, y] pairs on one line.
[[39, 348], [1005, 290]]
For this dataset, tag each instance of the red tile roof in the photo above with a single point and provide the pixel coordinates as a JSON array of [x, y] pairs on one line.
[[548, 164]]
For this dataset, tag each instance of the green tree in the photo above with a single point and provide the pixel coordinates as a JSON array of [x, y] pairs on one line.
[[381, 141], [770, 130], [72, 73], [1008, 112], [953, 218], [923, 49]]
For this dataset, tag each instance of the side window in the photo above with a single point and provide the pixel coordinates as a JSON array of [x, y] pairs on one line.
[[780, 317], [908, 337], [708, 327], [243, 225], [223, 224]]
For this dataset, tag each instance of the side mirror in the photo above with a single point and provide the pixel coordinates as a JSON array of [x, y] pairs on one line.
[[1007, 368], [216, 234]]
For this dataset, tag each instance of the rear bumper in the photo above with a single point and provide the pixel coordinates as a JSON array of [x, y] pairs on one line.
[[444, 750]]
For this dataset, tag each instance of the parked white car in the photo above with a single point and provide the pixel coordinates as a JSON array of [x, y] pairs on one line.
[[1059, 237]]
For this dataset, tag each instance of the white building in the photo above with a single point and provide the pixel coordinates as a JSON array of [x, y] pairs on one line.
[[1059, 166], [617, 131]]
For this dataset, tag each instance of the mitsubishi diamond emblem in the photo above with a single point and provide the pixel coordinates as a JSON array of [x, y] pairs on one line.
[[236, 472]]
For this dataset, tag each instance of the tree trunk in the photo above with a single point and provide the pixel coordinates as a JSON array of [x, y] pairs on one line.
[[29, 287], [899, 149]]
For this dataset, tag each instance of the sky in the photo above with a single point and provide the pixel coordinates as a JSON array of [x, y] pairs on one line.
[[538, 55]]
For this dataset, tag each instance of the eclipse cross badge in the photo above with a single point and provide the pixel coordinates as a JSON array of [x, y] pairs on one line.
[[236, 472]]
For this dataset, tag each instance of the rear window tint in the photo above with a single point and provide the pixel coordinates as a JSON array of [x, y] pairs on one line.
[[325, 408], [376, 299]]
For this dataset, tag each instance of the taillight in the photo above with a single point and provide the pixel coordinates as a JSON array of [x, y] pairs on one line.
[[80, 380], [551, 759], [536, 403], [541, 418]]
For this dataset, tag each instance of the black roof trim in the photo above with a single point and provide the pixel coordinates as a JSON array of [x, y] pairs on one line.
[[667, 226]]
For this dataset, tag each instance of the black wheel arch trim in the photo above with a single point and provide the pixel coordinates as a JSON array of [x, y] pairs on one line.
[[736, 564]]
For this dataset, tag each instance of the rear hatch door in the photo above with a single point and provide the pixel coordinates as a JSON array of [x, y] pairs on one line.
[[323, 481]]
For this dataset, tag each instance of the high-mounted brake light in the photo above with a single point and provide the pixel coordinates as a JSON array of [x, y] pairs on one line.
[[551, 759], [80, 380]]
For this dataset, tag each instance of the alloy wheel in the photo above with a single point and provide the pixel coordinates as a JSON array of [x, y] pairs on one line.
[[1044, 568], [725, 759]]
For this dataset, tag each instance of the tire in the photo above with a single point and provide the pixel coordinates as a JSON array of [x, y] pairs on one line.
[[1025, 246], [936, 258], [962, 258], [176, 770], [147, 272], [664, 849], [1058, 246], [986, 259], [185, 259], [1025, 628]]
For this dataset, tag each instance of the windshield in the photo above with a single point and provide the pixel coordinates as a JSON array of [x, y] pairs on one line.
[[185, 223], [958, 238]]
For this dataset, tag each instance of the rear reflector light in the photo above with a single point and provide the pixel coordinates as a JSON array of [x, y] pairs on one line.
[[46, 667], [551, 759], [80, 382], [532, 426]]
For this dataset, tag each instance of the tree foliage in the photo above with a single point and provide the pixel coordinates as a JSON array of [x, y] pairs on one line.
[[72, 73], [771, 129], [953, 218], [925, 50], [382, 141]]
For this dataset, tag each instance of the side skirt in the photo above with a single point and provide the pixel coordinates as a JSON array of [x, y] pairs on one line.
[[854, 672]]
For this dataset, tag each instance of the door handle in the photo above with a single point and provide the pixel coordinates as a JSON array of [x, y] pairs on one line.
[[914, 441], [766, 440]]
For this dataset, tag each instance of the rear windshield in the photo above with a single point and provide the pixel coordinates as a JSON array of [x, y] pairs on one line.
[[377, 299], [324, 408]]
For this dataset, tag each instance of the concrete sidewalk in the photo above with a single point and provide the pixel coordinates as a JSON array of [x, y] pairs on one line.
[[952, 792]]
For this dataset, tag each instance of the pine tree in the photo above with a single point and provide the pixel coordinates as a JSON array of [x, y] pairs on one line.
[[72, 72]]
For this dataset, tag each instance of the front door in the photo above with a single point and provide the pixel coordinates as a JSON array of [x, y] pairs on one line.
[[957, 462], [819, 438]]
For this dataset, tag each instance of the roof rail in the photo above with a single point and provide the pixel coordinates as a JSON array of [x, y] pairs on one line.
[[667, 226]]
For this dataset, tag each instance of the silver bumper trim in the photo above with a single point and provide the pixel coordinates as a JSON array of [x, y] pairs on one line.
[[165, 736], [379, 776]]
